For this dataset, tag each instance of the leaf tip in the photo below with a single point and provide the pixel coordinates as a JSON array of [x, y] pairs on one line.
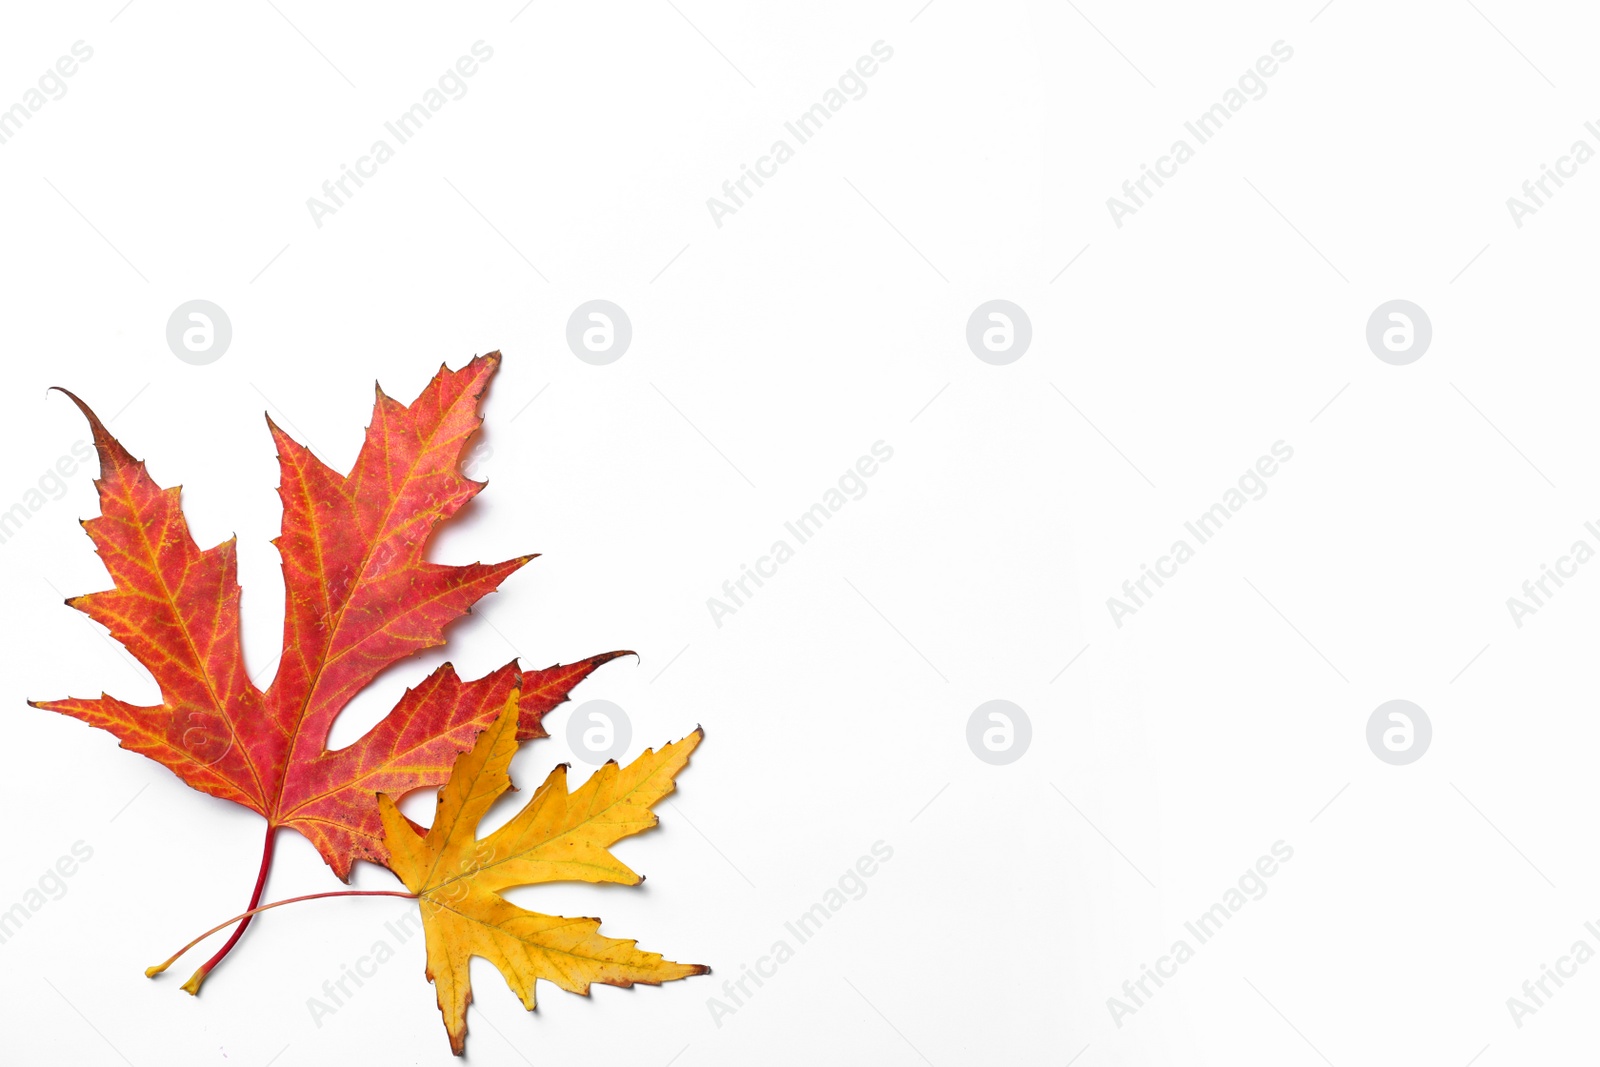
[[104, 443]]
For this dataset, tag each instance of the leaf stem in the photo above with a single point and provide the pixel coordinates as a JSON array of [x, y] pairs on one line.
[[192, 986], [151, 972]]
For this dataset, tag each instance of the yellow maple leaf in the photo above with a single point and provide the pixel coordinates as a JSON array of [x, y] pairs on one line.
[[558, 836]]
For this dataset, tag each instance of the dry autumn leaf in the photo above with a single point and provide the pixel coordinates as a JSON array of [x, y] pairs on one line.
[[360, 596], [558, 836]]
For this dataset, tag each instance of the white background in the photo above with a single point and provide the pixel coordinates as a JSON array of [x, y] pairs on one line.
[[768, 354]]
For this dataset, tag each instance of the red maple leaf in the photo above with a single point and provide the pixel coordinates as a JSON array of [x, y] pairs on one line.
[[360, 596]]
